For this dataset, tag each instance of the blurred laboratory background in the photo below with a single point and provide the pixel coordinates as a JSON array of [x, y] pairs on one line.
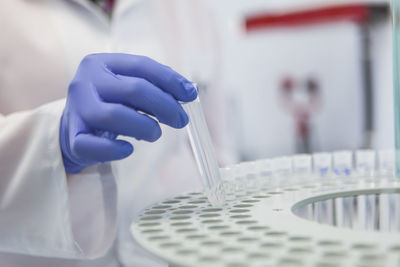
[[304, 76]]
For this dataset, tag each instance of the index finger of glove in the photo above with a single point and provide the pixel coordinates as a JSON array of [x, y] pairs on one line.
[[160, 75]]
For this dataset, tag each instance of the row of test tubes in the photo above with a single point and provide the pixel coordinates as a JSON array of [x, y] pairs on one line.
[[302, 168], [371, 212], [374, 212]]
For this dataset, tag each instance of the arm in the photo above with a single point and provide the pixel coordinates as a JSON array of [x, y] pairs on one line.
[[43, 210], [38, 211]]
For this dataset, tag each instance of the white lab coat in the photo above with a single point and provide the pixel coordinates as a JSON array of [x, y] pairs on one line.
[[43, 212]]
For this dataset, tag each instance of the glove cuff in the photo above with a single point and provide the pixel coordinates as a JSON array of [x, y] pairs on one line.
[[71, 167]]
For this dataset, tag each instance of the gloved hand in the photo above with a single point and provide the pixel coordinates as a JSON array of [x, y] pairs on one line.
[[108, 97]]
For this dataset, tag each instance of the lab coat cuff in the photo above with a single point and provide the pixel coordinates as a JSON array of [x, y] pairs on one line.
[[93, 209], [91, 203]]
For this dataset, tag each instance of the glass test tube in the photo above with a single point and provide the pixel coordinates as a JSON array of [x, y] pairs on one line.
[[342, 162], [386, 163], [302, 167], [282, 170], [395, 4], [322, 164], [204, 152], [251, 175], [365, 163]]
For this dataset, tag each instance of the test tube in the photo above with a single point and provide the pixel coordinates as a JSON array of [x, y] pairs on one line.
[[226, 173], [264, 167], [322, 164], [282, 170], [372, 214], [342, 162], [203, 151], [365, 163], [362, 211], [384, 209], [251, 175], [386, 160], [228, 179], [395, 8], [393, 212], [302, 167]]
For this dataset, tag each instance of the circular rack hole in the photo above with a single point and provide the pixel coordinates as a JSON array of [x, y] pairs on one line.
[[195, 193], [152, 231], [291, 189], [186, 230], [261, 196], [239, 211], [300, 239], [218, 227], [209, 259], [395, 248], [186, 252], [275, 234], [211, 221], [247, 239], [329, 243], [231, 249], [236, 264], [242, 216], [188, 207], [180, 224], [246, 222], [301, 250], [372, 257], [271, 245], [150, 218], [275, 193], [327, 264], [335, 254], [196, 236], [258, 228], [182, 212], [159, 237], [250, 201], [197, 202], [243, 206], [212, 210], [286, 261], [182, 197], [170, 245], [258, 255], [211, 243], [363, 246], [179, 218], [230, 233], [171, 202], [153, 212], [209, 215], [163, 207], [150, 224]]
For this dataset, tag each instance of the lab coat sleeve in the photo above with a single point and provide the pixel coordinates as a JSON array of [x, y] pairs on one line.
[[43, 211]]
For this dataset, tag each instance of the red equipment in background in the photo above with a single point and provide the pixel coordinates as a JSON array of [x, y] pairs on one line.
[[365, 15]]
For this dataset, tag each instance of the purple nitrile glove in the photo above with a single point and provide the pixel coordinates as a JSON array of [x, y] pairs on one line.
[[111, 95]]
